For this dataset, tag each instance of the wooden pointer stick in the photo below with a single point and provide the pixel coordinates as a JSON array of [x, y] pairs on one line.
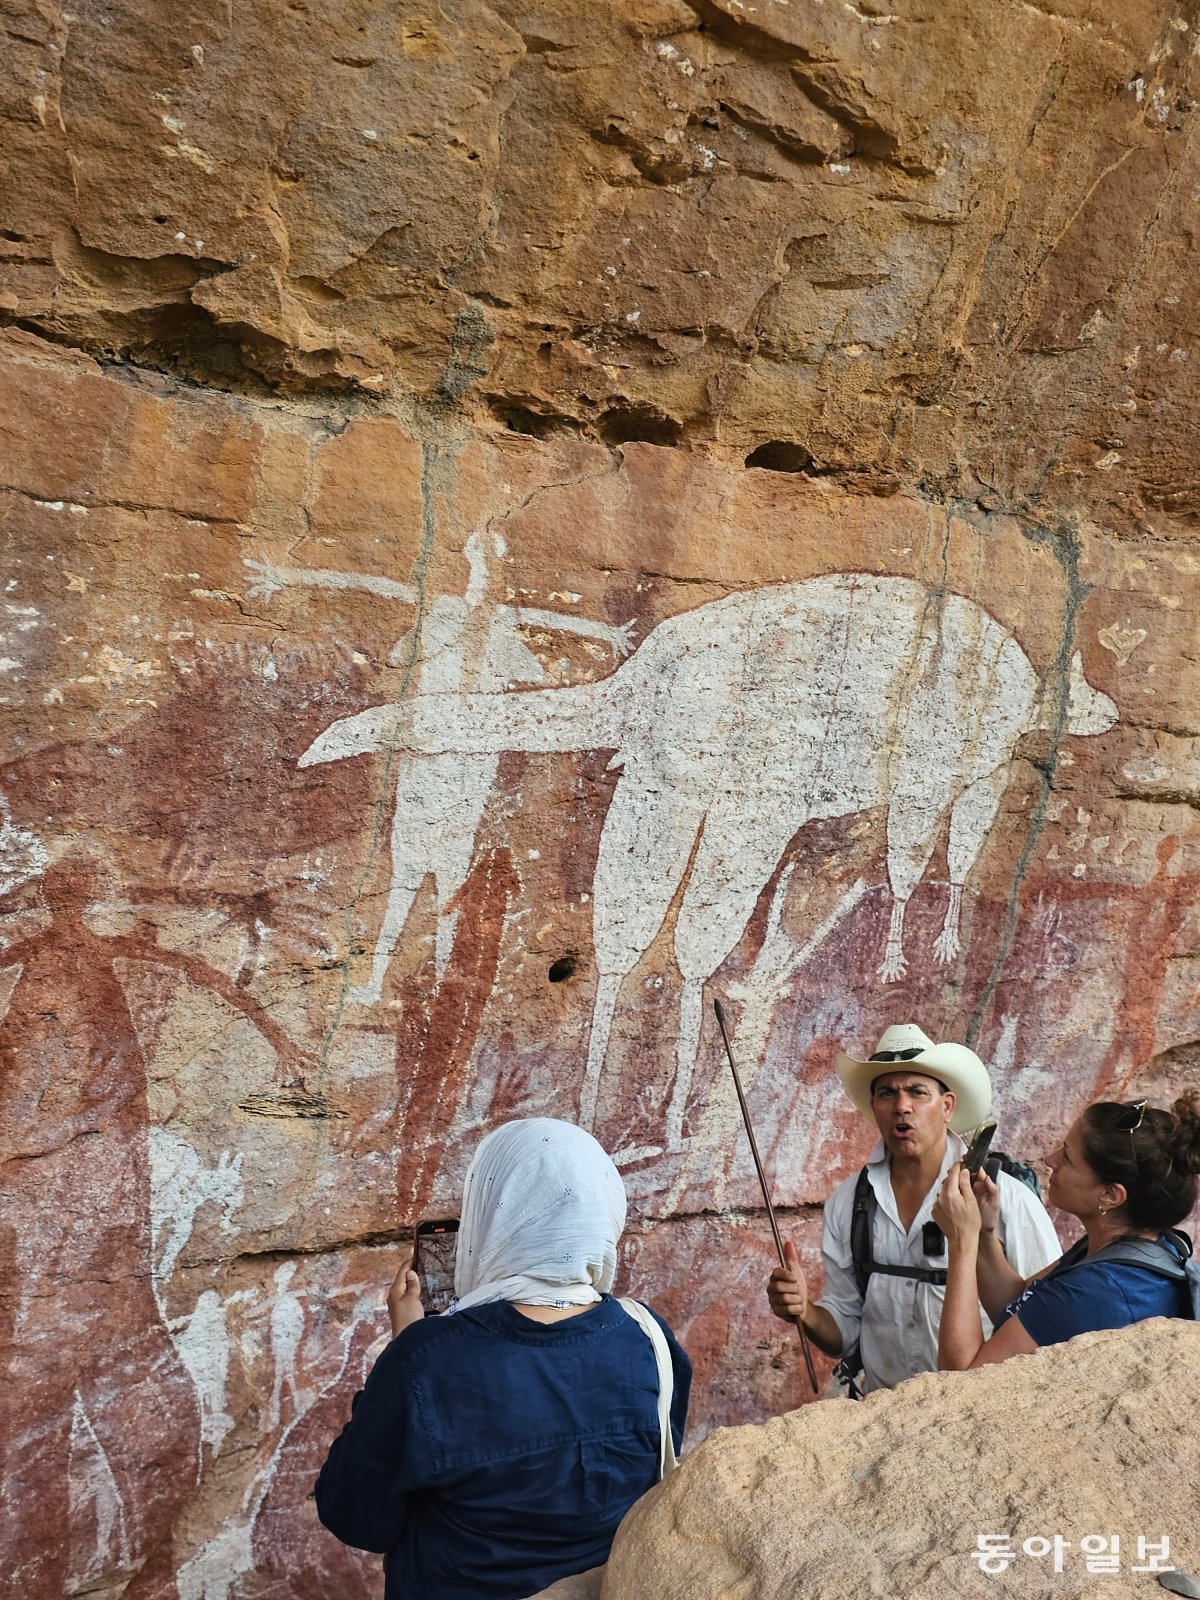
[[762, 1180]]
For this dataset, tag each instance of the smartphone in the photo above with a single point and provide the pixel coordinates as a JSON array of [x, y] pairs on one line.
[[434, 1249], [978, 1148]]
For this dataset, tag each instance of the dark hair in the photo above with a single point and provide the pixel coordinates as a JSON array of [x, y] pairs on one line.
[[1156, 1162]]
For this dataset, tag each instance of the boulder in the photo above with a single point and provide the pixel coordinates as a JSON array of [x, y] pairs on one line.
[[1088, 1440]]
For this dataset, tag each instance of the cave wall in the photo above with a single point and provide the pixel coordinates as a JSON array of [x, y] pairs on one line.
[[519, 519]]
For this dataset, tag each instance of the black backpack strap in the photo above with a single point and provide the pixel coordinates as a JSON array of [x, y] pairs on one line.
[[860, 1231], [861, 1257], [917, 1274], [1182, 1242], [998, 1162], [863, 1264]]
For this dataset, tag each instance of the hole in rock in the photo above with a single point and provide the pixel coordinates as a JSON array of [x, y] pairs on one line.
[[562, 969], [639, 424], [522, 419], [780, 455]]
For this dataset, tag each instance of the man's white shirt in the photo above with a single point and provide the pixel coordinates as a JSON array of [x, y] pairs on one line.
[[897, 1326]]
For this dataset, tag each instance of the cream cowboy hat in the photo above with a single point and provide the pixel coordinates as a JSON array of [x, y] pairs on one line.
[[905, 1045]]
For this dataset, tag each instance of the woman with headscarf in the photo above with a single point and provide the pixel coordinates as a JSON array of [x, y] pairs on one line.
[[495, 1448], [1129, 1174]]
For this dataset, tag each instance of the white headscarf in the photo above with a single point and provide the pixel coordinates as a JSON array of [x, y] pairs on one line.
[[543, 1208]]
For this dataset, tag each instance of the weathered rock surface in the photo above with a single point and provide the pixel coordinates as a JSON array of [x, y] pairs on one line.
[[787, 412], [949, 243], [583, 1586], [1097, 1440]]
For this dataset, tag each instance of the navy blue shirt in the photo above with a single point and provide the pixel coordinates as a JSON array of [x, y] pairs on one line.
[[490, 1455], [1082, 1296]]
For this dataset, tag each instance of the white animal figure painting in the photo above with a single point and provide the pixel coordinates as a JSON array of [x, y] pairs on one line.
[[738, 722], [460, 643], [180, 1184]]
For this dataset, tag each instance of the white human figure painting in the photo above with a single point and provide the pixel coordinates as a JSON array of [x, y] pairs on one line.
[[738, 722], [203, 1342], [461, 643], [287, 1330]]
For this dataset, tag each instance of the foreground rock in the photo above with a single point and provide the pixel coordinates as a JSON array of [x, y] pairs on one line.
[[1099, 1437]]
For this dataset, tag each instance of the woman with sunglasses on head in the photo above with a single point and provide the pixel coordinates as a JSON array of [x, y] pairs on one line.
[[1129, 1173]]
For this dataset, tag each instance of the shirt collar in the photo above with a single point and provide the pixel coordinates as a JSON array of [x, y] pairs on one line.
[[880, 1175]]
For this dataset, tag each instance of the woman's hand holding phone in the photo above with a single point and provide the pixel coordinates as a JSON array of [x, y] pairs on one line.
[[404, 1298], [988, 1196]]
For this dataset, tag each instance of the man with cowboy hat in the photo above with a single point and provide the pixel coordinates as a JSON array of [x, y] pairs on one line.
[[884, 1258]]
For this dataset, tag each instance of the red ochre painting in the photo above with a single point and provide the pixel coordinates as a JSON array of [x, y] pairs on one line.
[[363, 790]]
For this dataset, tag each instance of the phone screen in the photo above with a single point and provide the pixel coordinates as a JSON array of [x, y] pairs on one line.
[[433, 1262]]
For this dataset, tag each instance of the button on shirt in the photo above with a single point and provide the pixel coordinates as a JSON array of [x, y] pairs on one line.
[[897, 1325]]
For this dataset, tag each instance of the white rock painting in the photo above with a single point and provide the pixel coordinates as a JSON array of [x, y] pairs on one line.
[[462, 643], [202, 1341], [22, 854], [287, 1330], [736, 723], [216, 1569], [95, 1502], [180, 1183]]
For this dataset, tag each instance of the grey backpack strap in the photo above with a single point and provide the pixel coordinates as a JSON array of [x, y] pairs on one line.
[[1164, 1261]]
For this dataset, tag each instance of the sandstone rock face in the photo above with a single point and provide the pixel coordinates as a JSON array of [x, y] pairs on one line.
[[518, 519], [951, 243], [1094, 1441]]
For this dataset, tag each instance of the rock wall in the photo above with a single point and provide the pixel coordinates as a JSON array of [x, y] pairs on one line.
[[518, 519]]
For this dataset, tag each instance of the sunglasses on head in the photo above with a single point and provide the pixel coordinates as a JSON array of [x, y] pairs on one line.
[[1128, 1119], [897, 1055]]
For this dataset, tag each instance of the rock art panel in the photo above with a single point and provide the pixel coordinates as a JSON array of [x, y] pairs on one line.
[[368, 780], [738, 723]]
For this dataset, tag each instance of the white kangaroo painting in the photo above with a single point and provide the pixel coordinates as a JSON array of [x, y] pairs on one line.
[[736, 723]]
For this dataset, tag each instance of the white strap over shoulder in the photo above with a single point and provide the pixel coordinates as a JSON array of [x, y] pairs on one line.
[[667, 1460]]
